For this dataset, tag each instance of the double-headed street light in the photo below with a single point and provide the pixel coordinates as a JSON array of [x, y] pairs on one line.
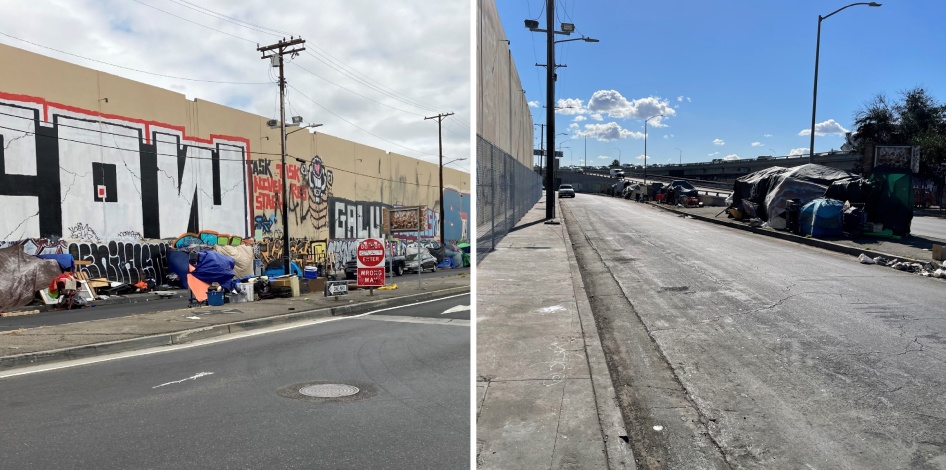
[[645, 146], [567, 29], [814, 99]]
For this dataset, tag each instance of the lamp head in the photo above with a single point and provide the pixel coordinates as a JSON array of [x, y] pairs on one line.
[[874, 4], [532, 24], [568, 28]]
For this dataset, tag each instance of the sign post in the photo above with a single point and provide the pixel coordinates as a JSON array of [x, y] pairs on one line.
[[370, 256]]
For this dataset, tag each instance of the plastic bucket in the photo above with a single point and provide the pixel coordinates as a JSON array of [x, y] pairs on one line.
[[215, 298]]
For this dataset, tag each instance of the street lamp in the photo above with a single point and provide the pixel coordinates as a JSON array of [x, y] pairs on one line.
[[619, 155], [645, 147], [814, 99], [567, 29], [681, 155], [310, 126]]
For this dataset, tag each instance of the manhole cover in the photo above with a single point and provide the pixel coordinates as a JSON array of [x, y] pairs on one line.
[[328, 390]]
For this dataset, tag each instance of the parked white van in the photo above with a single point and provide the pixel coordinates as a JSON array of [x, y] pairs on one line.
[[617, 173]]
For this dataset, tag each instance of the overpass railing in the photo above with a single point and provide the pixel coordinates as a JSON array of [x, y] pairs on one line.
[[505, 191]]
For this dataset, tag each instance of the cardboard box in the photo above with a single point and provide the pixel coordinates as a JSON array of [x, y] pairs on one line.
[[312, 286], [938, 252], [288, 281]]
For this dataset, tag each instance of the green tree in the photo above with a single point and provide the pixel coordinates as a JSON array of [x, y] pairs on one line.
[[615, 164], [915, 119]]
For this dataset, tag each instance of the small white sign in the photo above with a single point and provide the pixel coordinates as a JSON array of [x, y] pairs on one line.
[[333, 288]]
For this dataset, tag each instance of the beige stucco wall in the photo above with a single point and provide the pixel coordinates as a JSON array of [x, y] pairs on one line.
[[503, 116], [112, 121]]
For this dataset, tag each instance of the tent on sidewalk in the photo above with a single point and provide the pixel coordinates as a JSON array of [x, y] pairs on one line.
[[23, 275]]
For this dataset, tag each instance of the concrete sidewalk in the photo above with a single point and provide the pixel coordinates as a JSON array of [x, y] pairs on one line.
[[33, 346], [544, 393]]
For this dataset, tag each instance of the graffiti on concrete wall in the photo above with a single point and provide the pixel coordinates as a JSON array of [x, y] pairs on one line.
[[39, 246], [122, 261], [355, 219], [309, 190], [206, 237], [308, 251], [71, 172]]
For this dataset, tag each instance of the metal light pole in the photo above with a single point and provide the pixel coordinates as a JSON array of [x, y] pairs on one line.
[[681, 154], [814, 98], [619, 156], [567, 28], [645, 147]]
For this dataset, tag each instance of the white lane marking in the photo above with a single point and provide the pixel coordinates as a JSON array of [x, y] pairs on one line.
[[429, 321], [195, 377], [458, 308], [218, 339]]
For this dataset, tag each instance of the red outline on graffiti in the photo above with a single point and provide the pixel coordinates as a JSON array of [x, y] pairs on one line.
[[46, 104]]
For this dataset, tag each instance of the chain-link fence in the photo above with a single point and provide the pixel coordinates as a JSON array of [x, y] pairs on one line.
[[505, 191]]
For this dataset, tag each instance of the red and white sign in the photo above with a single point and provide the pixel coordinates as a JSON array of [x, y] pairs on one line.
[[370, 256]]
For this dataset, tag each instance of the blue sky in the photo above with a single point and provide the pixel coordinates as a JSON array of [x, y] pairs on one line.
[[733, 77]]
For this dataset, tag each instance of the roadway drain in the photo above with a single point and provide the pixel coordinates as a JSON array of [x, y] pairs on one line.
[[328, 390], [317, 391]]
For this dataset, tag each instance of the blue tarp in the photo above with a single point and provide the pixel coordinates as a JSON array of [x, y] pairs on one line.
[[822, 218], [66, 261], [210, 267], [213, 267]]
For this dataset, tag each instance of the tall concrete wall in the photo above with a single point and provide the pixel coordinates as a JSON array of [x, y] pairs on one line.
[[91, 159], [503, 116]]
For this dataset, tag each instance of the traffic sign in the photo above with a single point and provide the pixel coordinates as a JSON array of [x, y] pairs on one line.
[[334, 288], [370, 256]]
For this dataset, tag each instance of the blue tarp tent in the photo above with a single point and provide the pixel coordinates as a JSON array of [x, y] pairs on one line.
[[210, 267], [822, 218]]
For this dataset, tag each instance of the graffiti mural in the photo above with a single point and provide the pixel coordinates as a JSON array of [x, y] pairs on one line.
[[310, 188], [356, 219], [206, 237], [122, 261], [39, 246], [71, 172]]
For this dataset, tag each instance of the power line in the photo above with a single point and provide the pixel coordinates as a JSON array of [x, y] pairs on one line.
[[194, 22], [209, 12]]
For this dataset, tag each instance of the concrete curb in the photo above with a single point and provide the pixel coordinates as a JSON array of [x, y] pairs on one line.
[[787, 236], [619, 453], [194, 334]]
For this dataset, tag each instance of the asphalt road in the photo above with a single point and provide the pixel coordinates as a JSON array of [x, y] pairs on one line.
[[237, 403], [928, 226], [730, 349]]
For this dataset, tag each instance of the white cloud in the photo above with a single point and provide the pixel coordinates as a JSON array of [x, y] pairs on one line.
[[679, 98], [824, 128], [668, 136], [614, 105], [719, 142], [569, 106], [356, 38], [799, 151], [602, 157], [712, 154], [579, 118], [640, 157], [533, 104], [605, 132], [766, 135], [757, 144], [731, 157]]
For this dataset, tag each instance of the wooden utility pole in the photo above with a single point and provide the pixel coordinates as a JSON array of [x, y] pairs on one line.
[[440, 117], [278, 50]]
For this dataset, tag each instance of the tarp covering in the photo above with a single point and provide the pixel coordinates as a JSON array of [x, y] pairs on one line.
[[209, 267], [214, 267], [822, 218], [23, 275], [776, 201], [242, 256], [755, 187]]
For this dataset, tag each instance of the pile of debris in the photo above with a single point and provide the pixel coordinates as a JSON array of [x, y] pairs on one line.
[[931, 269]]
